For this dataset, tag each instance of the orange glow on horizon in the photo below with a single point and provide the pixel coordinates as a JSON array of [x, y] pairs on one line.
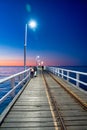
[[16, 63], [32, 62], [11, 63]]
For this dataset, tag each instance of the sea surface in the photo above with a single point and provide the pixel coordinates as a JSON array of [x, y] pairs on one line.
[[76, 68], [6, 71]]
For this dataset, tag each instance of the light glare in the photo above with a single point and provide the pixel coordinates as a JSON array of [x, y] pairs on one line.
[[32, 24]]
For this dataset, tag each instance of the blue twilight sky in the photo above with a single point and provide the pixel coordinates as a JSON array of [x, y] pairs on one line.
[[59, 39]]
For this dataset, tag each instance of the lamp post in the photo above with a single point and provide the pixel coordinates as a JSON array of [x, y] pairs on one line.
[[37, 57], [32, 24], [25, 44]]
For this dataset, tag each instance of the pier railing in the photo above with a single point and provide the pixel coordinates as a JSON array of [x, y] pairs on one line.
[[15, 83], [77, 78]]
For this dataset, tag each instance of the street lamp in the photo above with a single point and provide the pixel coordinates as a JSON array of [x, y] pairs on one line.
[[42, 63], [32, 24], [37, 58]]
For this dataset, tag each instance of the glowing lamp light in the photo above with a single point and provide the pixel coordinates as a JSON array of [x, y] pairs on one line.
[[32, 24], [39, 64], [42, 62], [37, 57]]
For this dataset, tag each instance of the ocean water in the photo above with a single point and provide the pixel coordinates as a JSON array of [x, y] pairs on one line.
[[6, 71], [76, 68]]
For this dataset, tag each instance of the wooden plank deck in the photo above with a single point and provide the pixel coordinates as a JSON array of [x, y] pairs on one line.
[[31, 111], [75, 117]]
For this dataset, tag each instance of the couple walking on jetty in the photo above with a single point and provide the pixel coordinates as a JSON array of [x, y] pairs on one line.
[[33, 72]]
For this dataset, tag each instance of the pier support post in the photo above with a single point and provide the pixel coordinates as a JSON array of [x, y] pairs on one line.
[[12, 86], [77, 77], [68, 76]]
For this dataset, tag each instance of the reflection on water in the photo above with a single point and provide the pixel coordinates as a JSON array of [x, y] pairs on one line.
[[7, 71]]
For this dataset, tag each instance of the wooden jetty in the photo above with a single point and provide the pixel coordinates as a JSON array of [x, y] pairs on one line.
[[46, 105]]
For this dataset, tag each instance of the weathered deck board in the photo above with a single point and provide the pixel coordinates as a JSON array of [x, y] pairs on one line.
[[31, 111], [75, 117]]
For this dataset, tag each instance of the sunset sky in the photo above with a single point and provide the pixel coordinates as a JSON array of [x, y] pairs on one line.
[[59, 39]]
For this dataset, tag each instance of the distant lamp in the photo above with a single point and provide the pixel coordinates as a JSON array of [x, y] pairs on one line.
[[42, 62], [39, 64], [37, 59]]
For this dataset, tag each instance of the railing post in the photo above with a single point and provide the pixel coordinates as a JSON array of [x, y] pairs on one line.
[[62, 73], [53, 70], [29, 73], [77, 77], [58, 71], [68, 76], [19, 78], [12, 86]]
